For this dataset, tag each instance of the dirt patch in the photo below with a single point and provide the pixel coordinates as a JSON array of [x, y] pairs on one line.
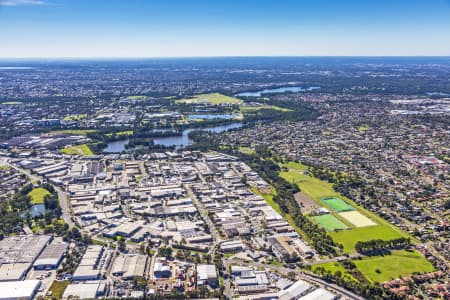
[[306, 204]]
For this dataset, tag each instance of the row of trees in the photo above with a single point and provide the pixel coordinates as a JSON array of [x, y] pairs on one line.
[[375, 247]]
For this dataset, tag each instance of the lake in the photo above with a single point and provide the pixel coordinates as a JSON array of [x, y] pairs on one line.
[[184, 140], [293, 89], [178, 140], [116, 146]]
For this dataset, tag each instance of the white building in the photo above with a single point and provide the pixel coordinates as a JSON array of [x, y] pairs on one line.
[[206, 274], [19, 290]]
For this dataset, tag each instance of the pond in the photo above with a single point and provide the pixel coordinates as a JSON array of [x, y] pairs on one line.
[[116, 146], [293, 89], [37, 210]]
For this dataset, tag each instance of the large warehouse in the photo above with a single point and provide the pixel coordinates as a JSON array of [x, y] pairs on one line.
[[19, 290], [51, 256], [18, 253]]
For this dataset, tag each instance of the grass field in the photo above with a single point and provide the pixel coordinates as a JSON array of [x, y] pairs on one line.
[[121, 133], [58, 288], [400, 263], [137, 97], [333, 267], [317, 189], [357, 218], [253, 108], [11, 103], [363, 128], [337, 204], [77, 150], [75, 117], [73, 131], [213, 98], [348, 238], [247, 150], [37, 195], [329, 222]]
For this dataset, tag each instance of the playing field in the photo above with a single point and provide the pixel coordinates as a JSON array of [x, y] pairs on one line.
[[213, 98], [37, 195], [388, 267], [357, 218], [329, 222], [337, 204]]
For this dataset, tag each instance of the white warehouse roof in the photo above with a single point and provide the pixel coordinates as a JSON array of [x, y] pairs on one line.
[[13, 290]]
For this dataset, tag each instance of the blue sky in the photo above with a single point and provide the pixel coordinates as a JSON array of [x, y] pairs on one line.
[[166, 28]]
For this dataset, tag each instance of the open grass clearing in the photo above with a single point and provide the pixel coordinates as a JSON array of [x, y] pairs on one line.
[[77, 150], [253, 108], [75, 117], [329, 222], [213, 98], [11, 103], [137, 97], [357, 218], [37, 195], [73, 131], [120, 133], [348, 238], [57, 288], [388, 267], [334, 267]]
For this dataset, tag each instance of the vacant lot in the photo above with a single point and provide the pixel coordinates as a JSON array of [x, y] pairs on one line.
[[357, 218], [213, 98], [329, 222], [400, 263], [78, 150], [37, 195], [307, 204], [57, 288], [337, 204]]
